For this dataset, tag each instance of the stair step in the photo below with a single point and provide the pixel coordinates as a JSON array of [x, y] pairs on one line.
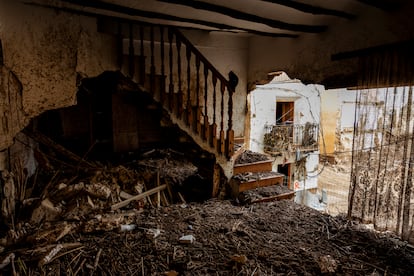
[[259, 166], [249, 181], [239, 140]]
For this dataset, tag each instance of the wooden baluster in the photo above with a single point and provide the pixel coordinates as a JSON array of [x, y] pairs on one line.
[[141, 57], [222, 140], [171, 85], [120, 47], [213, 132], [206, 123], [189, 104], [162, 84], [152, 68], [180, 92], [131, 55], [197, 121], [230, 131]]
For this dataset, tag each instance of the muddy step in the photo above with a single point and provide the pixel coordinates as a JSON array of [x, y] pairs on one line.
[[252, 180], [259, 166], [266, 194]]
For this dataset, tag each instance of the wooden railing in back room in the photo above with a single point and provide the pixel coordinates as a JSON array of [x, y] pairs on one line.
[[181, 78]]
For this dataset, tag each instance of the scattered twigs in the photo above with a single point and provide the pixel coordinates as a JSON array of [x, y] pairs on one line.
[[95, 265]]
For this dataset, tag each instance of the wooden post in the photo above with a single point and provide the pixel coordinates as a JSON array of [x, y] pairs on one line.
[[171, 85], [131, 58], [142, 57]]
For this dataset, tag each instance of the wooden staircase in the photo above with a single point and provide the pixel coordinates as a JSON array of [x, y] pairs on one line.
[[164, 63], [254, 175]]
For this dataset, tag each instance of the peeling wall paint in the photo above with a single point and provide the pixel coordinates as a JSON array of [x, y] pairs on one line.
[[46, 50], [12, 116]]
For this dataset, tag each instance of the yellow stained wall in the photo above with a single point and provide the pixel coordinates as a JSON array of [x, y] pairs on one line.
[[329, 116]]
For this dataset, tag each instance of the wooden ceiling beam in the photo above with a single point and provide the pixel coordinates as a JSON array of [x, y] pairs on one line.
[[384, 5], [134, 12], [248, 17], [375, 49], [311, 9]]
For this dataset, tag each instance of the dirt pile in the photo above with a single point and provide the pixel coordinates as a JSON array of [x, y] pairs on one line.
[[211, 238]]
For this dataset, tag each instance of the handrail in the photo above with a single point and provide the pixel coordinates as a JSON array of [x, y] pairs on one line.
[[200, 55], [178, 89]]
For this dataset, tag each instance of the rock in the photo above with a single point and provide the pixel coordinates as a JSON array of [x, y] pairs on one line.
[[152, 233], [46, 211], [327, 264], [241, 259], [187, 239]]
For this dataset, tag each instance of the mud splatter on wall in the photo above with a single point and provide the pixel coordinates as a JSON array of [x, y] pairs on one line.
[[12, 116]]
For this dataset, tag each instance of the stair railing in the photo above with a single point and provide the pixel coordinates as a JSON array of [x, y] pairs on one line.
[[181, 78]]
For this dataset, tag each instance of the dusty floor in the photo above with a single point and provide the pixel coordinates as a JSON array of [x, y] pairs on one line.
[[277, 238], [71, 228]]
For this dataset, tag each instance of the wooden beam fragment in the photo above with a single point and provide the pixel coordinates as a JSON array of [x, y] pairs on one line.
[[43, 139], [138, 197]]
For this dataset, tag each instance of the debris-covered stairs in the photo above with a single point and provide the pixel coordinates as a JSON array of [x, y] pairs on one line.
[[254, 180], [164, 63], [197, 97]]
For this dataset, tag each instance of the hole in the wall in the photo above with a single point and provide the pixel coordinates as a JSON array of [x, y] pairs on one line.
[[114, 122]]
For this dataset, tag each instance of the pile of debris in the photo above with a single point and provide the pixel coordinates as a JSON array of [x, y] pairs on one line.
[[250, 157], [66, 198], [215, 237], [262, 194], [131, 219]]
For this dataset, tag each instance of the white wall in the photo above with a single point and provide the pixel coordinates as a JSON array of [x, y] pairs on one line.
[[372, 107], [227, 52], [262, 101]]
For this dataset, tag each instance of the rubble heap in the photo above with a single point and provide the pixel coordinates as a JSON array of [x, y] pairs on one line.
[[211, 238]]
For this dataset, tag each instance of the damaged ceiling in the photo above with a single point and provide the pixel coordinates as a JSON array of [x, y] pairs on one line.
[[320, 32], [278, 18]]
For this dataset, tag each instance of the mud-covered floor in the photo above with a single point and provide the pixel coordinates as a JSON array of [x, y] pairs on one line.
[[276, 238]]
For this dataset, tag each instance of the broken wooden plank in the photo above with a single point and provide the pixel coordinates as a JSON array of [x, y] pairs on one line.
[[43, 139], [275, 197], [138, 197]]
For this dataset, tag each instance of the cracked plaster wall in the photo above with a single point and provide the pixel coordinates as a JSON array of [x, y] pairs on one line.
[[44, 51], [262, 111]]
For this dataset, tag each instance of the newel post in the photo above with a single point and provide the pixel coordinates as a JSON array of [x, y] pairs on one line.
[[233, 81]]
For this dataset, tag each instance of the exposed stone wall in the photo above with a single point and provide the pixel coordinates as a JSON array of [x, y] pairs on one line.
[[44, 52]]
